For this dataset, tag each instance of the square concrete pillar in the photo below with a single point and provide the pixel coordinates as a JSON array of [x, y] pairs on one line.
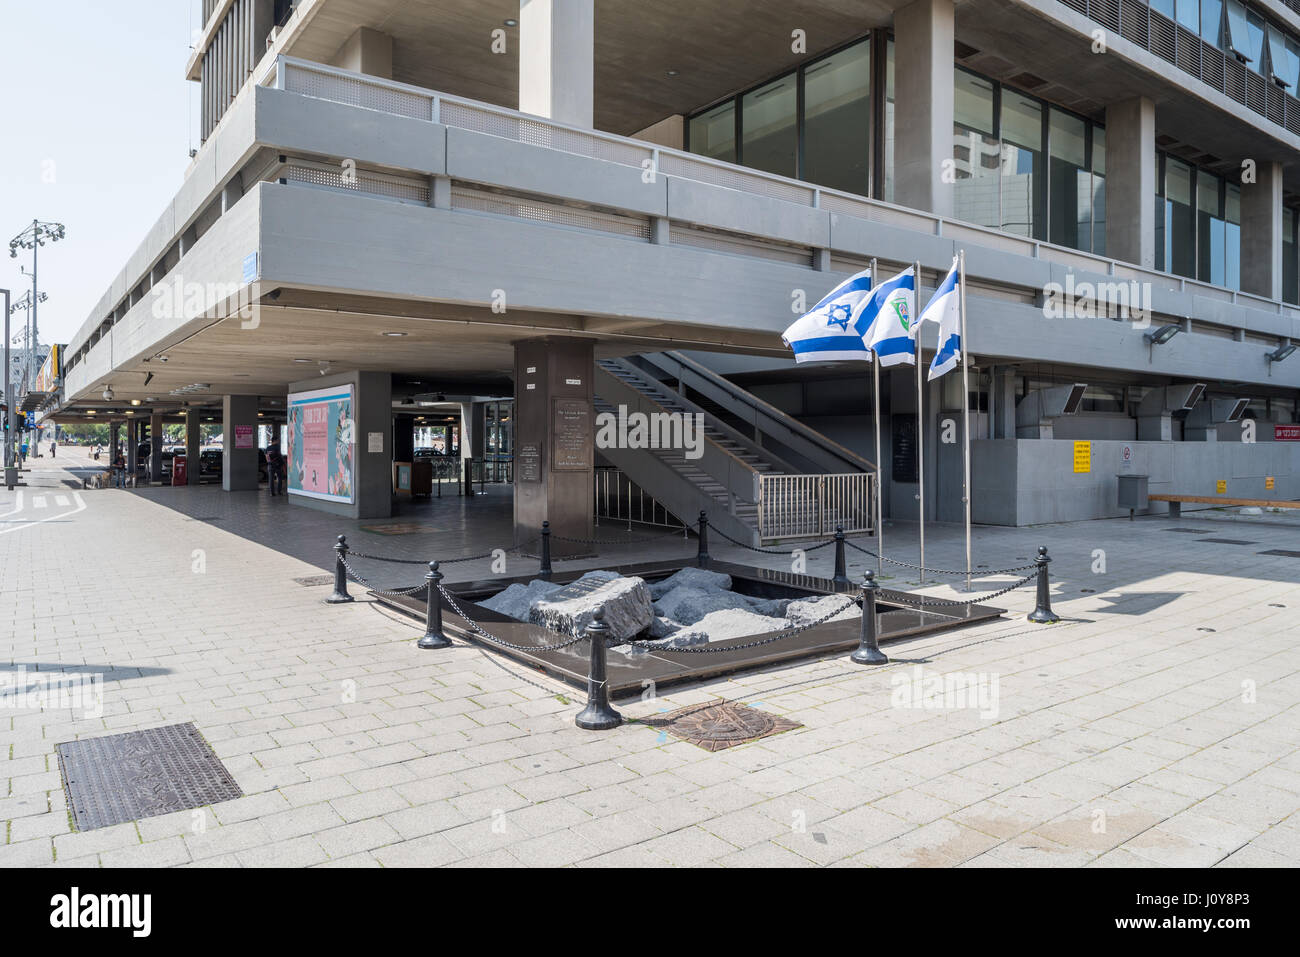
[[239, 443], [366, 51], [1261, 231], [155, 448], [923, 103], [557, 60], [555, 441], [1131, 181], [193, 442]]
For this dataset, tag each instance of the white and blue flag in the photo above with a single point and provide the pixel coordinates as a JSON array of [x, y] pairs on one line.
[[945, 309], [887, 317], [828, 331]]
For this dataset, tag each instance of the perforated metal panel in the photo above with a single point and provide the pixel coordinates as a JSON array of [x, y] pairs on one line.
[[500, 204], [126, 777], [540, 133], [393, 187], [733, 177], [845, 206], [358, 92], [739, 245]]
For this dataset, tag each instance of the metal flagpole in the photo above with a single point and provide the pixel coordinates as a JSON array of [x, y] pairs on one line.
[[880, 501], [920, 413], [965, 400]]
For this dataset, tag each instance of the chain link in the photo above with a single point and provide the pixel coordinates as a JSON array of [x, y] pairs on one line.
[[941, 571], [399, 593], [622, 541], [474, 626], [768, 551]]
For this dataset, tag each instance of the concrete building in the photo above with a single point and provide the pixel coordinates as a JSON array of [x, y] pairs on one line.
[[441, 206]]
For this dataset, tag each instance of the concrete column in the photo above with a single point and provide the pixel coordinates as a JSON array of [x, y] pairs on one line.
[[366, 51], [557, 60], [193, 441], [1261, 231], [239, 469], [923, 102], [1131, 181], [473, 430], [555, 439], [155, 448]]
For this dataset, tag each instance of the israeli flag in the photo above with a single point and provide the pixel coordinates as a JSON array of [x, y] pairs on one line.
[[886, 320], [945, 309], [827, 332]]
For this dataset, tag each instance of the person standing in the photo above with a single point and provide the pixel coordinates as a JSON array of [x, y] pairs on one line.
[[119, 470], [54, 448], [275, 467]]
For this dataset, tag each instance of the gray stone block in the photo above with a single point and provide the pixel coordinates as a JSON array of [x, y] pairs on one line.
[[729, 623], [516, 600], [688, 605], [700, 578], [626, 601], [807, 610]]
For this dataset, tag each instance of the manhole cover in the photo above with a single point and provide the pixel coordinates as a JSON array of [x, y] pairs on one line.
[[1226, 541], [126, 777], [316, 580], [721, 724], [1282, 552]]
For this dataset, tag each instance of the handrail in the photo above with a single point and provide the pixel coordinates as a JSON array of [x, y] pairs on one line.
[[765, 408]]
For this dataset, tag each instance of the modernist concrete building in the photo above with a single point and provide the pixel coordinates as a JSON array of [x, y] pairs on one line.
[[582, 204]]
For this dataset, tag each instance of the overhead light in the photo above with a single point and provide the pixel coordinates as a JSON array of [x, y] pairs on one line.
[[130, 411], [511, 22], [395, 335], [1280, 353], [90, 412], [135, 401], [1162, 335], [162, 358], [302, 360], [672, 73]]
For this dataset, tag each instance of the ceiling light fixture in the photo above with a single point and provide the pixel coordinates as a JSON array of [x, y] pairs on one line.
[[394, 335]]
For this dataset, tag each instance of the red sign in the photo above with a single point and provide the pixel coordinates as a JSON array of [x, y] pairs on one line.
[[1286, 433]]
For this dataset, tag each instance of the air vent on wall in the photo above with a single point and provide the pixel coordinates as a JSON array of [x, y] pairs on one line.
[[1027, 80], [963, 50]]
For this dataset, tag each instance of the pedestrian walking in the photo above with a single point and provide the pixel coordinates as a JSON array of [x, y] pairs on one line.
[[119, 470], [275, 467]]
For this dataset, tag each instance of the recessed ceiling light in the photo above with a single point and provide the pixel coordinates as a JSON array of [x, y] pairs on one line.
[[135, 401], [512, 22], [674, 73], [395, 335], [302, 360]]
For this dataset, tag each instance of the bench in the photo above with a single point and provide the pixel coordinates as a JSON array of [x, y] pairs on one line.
[[1176, 501]]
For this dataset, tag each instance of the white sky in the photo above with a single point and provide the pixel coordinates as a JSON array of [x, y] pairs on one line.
[[96, 125]]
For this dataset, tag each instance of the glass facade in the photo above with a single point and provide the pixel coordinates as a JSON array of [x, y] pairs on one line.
[[813, 123], [1198, 223], [1290, 248]]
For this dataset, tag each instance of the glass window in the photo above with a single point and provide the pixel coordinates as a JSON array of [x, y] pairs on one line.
[[1162, 213], [769, 127], [888, 192], [714, 133], [1209, 229], [1164, 6], [837, 120], [1255, 41], [976, 153], [1022, 160], [1188, 13], [1180, 222], [1232, 236], [1212, 22], [1069, 182], [1289, 271], [1282, 59]]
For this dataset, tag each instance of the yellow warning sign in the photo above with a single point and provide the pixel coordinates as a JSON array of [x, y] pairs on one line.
[[1082, 457], [1268, 482], [1221, 487]]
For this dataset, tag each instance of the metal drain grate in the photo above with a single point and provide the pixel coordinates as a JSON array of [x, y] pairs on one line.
[[1226, 541], [1188, 531], [399, 528], [126, 777], [1282, 552], [315, 580], [721, 724]]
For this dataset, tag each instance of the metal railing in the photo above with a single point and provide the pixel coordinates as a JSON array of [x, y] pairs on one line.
[[619, 499], [801, 506]]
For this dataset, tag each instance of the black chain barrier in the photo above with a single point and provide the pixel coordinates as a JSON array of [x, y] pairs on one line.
[[939, 571], [926, 602], [642, 540], [478, 630], [770, 551]]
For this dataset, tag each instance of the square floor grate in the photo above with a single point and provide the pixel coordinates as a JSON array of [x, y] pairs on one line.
[[139, 774], [1227, 541], [720, 724], [1282, 552]]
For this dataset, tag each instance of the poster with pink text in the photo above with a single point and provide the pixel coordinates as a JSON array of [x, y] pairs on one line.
[[321, 451]]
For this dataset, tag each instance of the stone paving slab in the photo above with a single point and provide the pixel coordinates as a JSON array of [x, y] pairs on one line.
[[1127, 735]]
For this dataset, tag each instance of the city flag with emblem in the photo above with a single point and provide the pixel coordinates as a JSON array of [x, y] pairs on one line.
[[829, 330], [945, 309], [888, 320]]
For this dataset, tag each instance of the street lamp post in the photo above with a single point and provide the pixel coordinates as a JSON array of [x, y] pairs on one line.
[[11, 477], [33, 237]]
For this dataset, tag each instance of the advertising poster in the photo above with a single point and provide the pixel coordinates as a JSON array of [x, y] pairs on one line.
[[322, 448], [244, 437]]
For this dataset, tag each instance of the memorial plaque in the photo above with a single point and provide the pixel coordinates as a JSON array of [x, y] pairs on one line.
[[904, 449], [529, 463], [571, 436]]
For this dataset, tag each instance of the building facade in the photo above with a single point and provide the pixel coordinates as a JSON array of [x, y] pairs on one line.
[[456, 203]]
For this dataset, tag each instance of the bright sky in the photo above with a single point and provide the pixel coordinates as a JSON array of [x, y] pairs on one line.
[[96, 133]]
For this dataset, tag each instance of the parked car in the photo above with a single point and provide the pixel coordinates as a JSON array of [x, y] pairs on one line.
[[212, 464]]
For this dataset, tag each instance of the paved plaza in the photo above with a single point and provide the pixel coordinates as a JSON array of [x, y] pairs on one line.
[[1157, 724]]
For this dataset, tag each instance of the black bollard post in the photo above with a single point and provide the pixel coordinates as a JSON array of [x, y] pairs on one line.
[[1043, 614], [841, 569], [869, 652], [340, 574], [599, 715], [433, 636], [702, 557], [545, 572]]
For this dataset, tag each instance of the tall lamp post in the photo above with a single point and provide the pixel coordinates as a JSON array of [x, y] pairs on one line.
[[25, 336], [33, 237], [11, 476]]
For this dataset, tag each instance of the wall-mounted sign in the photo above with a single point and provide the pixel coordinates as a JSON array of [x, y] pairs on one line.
[[374, 441], [244, 437], [1268, 483], [1286, 433], [571, 435], [1082, 458], [322, 444], [1126, 457], [528, 464], [1221, 487]]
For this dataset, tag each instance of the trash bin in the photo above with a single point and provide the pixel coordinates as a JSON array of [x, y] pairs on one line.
[[180, 475], [1132, 493]]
